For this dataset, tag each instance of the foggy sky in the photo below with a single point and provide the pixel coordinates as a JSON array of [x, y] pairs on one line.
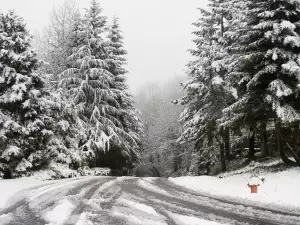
[[157, 32]]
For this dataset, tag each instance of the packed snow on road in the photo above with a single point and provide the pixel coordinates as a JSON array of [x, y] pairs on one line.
[[129, 200]]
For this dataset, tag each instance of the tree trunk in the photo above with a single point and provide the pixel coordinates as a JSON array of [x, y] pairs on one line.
[[227, 143], [223, 159], [294, 154], [222, 150], [290, 148], [280, 145], [272, 150], [210, 136], [251, 143], [264, 139]]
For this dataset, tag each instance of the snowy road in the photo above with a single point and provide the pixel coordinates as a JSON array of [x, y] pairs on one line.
[[107, 200]]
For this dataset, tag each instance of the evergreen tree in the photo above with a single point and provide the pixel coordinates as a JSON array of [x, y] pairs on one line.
[[90, 85], [267, 66], [116, 55], [98, 26], [236, 21], [207, 90], [76, 36], [23, 128], [62, 151], [116, 62], [232, 17]]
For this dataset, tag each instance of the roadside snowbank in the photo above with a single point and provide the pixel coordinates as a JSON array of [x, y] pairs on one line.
[[15, 189], [279, 189], [9, 188]]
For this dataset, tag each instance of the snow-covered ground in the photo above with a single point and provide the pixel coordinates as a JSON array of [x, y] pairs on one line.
[[278, 189], [15, 189], [189, 220], [145, 201], [11, 188], [60, 213], [91, 201]]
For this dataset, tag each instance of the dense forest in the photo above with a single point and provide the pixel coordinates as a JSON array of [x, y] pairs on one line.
[[66, 106], [242, 99], [241, 102]]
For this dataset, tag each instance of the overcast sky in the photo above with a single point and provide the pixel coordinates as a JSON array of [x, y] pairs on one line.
[[157, 32]]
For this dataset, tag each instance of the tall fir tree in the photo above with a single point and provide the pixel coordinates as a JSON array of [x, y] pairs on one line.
[[207, 91], [116, 62], [266, 66], [23, 123], [91, 87]]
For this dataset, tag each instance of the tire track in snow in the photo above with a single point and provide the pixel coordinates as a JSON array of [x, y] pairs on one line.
[[272, 215], [163, 202], [83, 203], [175, 189], [23, 212], [98, 205], [95, 200], [225, 209], [47, 198]]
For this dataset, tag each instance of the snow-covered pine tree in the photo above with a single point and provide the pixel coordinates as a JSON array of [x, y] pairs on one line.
[[234, 15], [116, 55], [207, 92], [89, 86], [98, 22], [62, 152], [76, 36], [23, 131], [267, 66], [116, 61]]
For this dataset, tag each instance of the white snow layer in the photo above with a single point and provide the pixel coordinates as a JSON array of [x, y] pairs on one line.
[[145, 183], [278, 189], [83, 220], [133, 219], [9, 188], [135, 213], [217, 80], [13, 190], [190, 220], [60, 213], [139, 206], [5, 219]]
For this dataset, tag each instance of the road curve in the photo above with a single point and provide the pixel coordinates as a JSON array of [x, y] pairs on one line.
[[125, 200]]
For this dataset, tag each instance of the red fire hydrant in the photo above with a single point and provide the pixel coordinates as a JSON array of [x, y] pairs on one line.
[[255, 182], [253, 187]]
